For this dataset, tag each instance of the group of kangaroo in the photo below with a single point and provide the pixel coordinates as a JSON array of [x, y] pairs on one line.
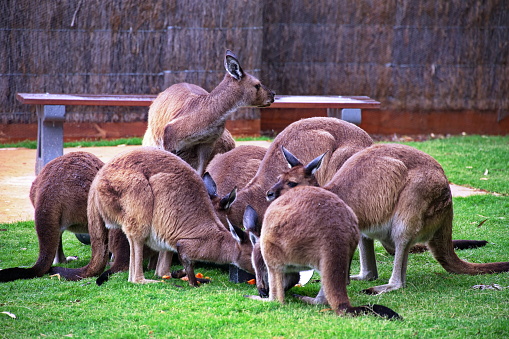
[[188, 190]]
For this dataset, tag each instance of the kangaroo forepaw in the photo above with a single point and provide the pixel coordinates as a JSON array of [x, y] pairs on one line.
[[178, 274], [256, 297], [381, 289], [311, 301]]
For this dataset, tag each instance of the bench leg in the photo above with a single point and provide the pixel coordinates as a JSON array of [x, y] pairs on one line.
[[50, 134], [352, 115]]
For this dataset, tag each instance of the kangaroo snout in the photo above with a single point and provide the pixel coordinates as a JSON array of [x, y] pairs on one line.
[[263, 292], [269, 96]]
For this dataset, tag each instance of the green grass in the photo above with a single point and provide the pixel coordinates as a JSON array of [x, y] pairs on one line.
[[476, 161], [435, 304], [82, 143], [97, 143]]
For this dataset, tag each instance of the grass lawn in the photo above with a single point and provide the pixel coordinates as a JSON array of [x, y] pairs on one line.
[[435, 304]]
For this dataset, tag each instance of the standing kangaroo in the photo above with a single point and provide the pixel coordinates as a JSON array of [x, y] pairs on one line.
[[401, 196], [308, 136], [187, 120], [310, 227], [159, 200]]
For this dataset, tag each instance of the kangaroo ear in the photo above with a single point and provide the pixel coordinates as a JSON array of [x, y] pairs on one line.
[[314, 164], [210, 184], [227, 201], [290, 158], [254, 238], [250, 219], [232, 65], [236, 232]]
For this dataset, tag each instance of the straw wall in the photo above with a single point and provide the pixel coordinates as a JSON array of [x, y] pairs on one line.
[[415, 55], [410, 55]]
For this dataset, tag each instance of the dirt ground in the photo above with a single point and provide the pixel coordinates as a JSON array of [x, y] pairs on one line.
[[17, 171]]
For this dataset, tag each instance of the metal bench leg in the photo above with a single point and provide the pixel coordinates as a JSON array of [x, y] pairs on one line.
[[50, 134], [353, 115]]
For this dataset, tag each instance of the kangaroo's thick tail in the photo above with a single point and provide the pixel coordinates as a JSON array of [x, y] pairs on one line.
[[378, 310], [468, 244], [441, 246], [103, 277], [47, 226], [15, 273]]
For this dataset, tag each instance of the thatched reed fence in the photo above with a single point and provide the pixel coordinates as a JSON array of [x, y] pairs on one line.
[[414, 55]]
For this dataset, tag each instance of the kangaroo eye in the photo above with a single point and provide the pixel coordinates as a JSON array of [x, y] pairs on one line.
[[292, 184], [258, 86]]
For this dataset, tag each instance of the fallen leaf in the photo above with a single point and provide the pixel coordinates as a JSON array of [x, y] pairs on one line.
[[485, 172], [13, 316], [482, 222], [326, 310], [55, 275], [483, 178]]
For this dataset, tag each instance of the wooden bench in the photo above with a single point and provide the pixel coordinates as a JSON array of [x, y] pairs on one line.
[[51, 112]]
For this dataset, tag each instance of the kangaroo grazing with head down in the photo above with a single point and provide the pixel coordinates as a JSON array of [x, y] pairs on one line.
[[59, 195], [159, 200], [400, 196], [187, 120], [310, 227], [307, 136]]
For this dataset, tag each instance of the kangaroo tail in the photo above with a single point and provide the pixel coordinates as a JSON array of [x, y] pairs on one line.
[[441, 246], [15, 273], [468, 244], [104, 277], [378, 310]]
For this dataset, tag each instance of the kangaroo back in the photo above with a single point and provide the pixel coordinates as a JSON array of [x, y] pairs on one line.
[[159, 200], [401, 196], [307, 138], [310, 227]]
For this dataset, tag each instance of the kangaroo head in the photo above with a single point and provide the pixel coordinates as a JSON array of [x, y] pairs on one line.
[[221, 204], [254, 92], [245, 247], [297, 175], [250, 221]]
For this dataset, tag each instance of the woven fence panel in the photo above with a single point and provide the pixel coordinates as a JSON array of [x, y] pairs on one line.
[[418, 55], [120, 47]]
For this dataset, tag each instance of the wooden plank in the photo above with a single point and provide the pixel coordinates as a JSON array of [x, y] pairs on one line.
[[323, 101], [281, 101], [85, 99]]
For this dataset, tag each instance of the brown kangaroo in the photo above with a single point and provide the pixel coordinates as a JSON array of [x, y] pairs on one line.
[[401, 196], [159, 200], [310, 227], [308, 137], [229, 172], [187, 120], [58, 194]]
